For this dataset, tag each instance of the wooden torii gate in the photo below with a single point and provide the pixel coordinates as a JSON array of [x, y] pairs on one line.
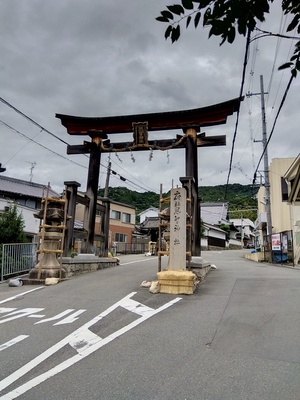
[[189, 121]]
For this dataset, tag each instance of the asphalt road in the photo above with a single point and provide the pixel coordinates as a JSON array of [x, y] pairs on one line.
[[102, 336]]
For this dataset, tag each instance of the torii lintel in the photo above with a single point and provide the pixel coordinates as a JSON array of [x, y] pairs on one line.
[[206, 116]]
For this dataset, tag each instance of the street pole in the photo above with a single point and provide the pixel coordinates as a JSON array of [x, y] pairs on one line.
[[266, 162], [107, 179]]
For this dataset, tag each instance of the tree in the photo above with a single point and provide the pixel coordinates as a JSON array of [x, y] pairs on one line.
[[228, 17], [12, 226]]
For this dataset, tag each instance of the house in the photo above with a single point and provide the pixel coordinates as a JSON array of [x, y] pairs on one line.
[[149, 213], [121, 224], [28, 198], [284, 208], [245, 230], [213, 237], [214, 213], [214, 217], [292, 178]]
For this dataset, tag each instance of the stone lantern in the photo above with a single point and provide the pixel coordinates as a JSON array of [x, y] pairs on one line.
[[51, 239]]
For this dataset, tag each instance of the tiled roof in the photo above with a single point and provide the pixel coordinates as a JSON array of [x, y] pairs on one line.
[[25, 188], [150, 222], [214, 213]]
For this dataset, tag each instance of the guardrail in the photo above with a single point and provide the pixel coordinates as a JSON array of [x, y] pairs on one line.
[[17, 258]]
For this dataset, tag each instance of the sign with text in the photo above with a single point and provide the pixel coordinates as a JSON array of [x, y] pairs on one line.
[[177, 229], [276, 242]]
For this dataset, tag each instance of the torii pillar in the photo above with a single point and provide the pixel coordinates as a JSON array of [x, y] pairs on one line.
[[191, 169]]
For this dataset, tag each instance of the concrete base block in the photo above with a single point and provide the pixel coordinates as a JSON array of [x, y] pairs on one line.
[[257, 257], [177, 282], [86, 263]]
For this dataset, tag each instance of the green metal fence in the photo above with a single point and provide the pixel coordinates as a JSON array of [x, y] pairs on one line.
[[17, 258]]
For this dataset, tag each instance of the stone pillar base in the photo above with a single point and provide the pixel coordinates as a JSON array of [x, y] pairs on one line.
[[47, 273], [177, 282]]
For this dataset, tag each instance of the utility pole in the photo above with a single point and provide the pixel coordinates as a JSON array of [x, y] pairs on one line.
[[107, 178], [33, 164], [266, 161]]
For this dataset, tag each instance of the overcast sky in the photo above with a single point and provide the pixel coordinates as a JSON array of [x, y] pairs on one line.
[[104, 58]]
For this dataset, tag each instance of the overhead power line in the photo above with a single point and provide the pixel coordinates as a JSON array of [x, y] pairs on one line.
[[39, 144], [238, 112], [274, 124], [31, 120], [56, 137]]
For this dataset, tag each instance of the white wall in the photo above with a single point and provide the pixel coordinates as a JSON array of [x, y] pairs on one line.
[[151, 212], [31, 223]]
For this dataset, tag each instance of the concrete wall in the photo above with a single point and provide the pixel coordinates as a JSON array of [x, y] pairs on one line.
[[280, 210]]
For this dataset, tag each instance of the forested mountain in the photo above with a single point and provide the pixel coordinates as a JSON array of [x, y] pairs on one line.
[[241, 198]]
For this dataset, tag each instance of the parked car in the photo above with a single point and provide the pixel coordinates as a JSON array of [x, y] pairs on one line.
[[250, 245]]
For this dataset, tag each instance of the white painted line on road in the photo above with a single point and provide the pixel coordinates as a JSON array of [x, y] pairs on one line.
[[21, 294], [13, 341], [56, 317], [19, 314], [136, 307], [70, 319], [137, 261], [4, 310], [88, 347], [85, 340], [52, 350]]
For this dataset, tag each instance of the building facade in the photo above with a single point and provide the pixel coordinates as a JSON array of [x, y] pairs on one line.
[[28, 198]]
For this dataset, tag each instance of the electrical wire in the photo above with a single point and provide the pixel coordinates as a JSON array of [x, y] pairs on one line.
[[31, 120], [39, 144], [274, 124], [238, 112], [56, 137]]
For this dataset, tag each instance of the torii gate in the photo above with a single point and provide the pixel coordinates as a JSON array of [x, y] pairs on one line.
[[189, 121]]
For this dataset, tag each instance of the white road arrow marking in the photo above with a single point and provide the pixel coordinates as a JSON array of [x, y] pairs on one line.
[[85, 343], [4, 310], [56, 317], [19, 314], [71, 318]]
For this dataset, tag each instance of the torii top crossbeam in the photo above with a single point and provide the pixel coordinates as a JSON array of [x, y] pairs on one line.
[[206, 116]]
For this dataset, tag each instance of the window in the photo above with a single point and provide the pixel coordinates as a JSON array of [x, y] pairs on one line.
[[284, 190], [121, 237], [126, 218], [115, 214]]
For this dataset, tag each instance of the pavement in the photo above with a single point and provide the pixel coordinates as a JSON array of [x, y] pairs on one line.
[[235, 338]]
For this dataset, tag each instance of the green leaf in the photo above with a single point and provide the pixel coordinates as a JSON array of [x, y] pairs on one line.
[[168, 31], [231, 35], [294, 72], [187, 4], [188, 20], [176, 9], [207, 17], [162, 19], [167, 14], [293, 24], [197, 19], [285, 65], [175, 34]]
